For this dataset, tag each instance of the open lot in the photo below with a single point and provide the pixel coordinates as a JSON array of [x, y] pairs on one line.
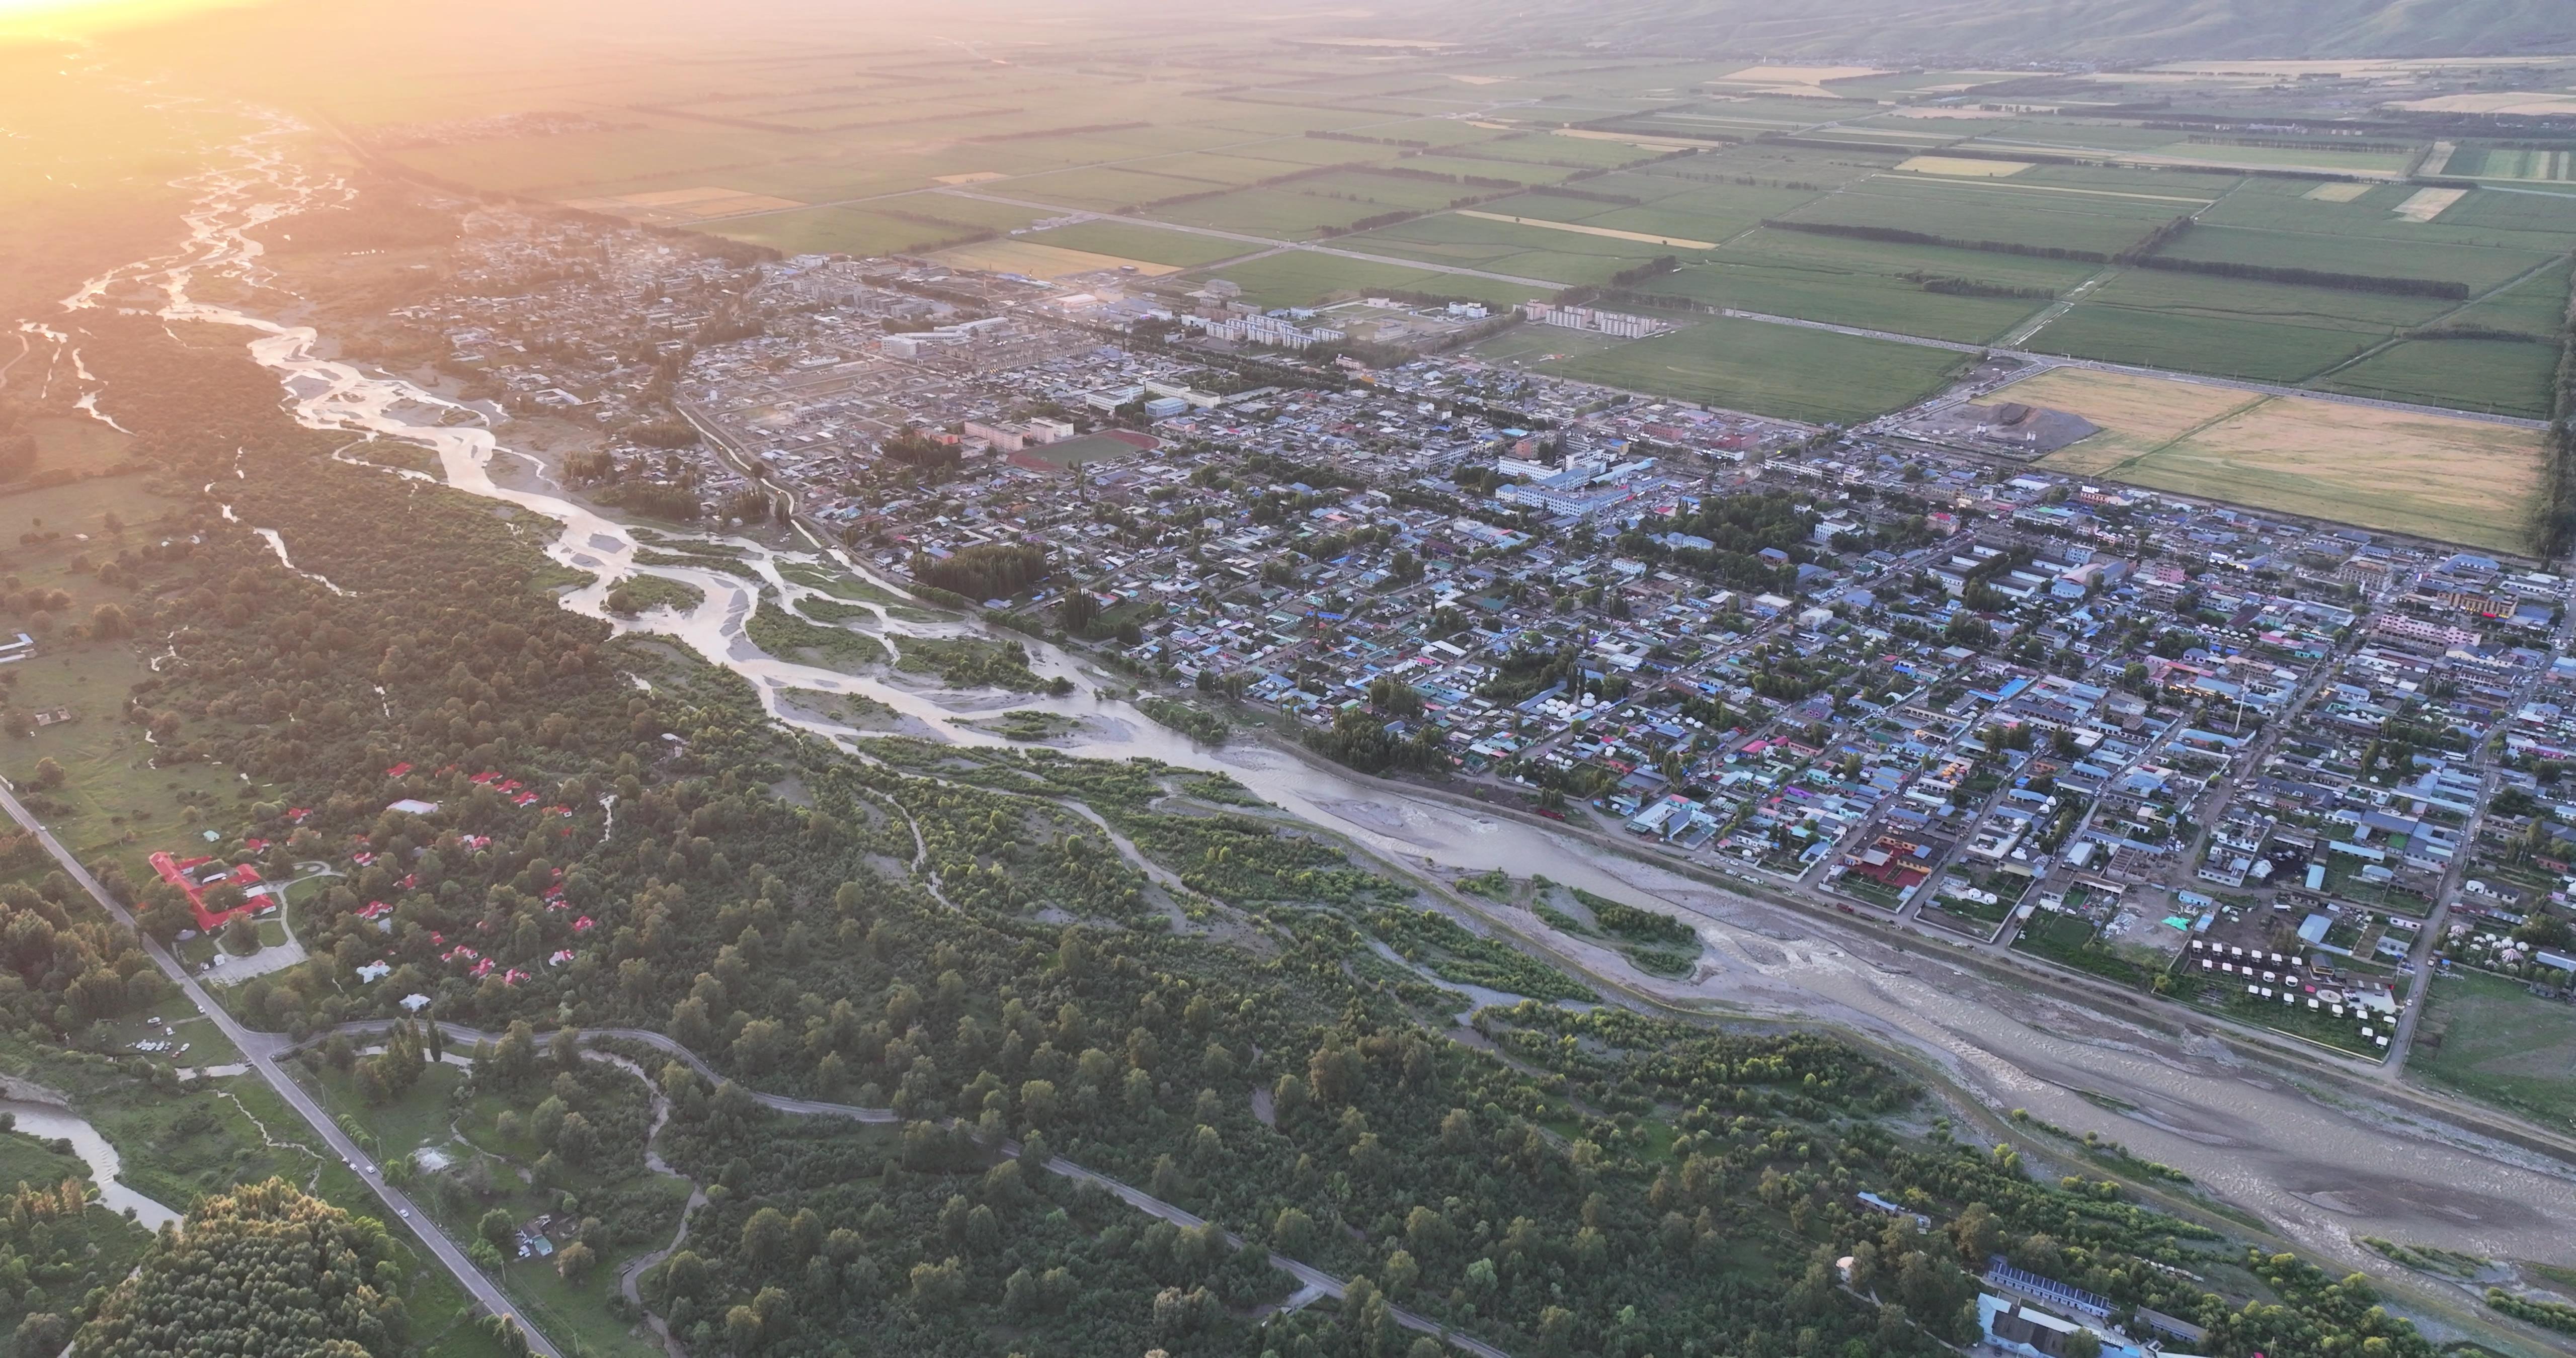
[[2454, 480], [2500, 1045]]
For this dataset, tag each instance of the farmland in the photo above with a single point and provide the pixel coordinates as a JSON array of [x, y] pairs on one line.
[[1780, 188], [2451, 479], [1798, 374]]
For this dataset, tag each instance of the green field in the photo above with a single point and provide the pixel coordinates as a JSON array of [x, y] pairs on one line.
[[113, 802], [2228, 326], [1812, 375], [2479, 266], [2499, 1045], [1127, 240], [1302, 277], [852, 231], [1992, 210], [2497, 376], [1862, 283]]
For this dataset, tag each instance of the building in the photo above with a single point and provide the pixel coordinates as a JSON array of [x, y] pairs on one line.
[[1611, 323]]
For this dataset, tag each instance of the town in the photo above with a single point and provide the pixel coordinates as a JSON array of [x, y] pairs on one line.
[[2273, 768]]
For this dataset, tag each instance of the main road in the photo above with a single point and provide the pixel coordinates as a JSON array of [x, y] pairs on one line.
[[259, 1052]]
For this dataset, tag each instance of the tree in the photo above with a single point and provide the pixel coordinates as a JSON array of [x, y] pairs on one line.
[[40, 1335], [301, 1276], [2082, 1344], [49, 774], [497, 1228], [574, 1261]]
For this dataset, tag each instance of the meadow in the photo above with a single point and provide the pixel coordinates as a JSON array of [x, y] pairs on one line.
[[2498, 1045]]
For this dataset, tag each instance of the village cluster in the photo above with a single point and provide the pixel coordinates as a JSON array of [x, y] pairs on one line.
[[2276, 768]]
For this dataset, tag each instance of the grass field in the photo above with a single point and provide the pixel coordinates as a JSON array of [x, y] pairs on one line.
[[2501, 1046], [113, 803], [2230, 327], [1035, 260], [1863, 283], [2454, 480], [1302, 277], [1812, 375], [2498, 376], [1129, 241], [1991, 210]]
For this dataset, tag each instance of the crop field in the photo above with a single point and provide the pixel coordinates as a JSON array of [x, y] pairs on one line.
[[855, 231], [1303, 277], [2501, 162], [2228, 327], [1526, 250], [2500, 377], [1863, 283], [2453, 480], [2499, 1045], [2479, 266], [1130, 241], [1032, 259], [1302, 143], [1812, 375], [1990, 210]]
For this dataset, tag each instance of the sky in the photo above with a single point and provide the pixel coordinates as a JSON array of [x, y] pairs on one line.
[[73, 18]]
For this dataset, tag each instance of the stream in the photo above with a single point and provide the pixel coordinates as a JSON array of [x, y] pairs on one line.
[[2320, 1171], [49, 1122]]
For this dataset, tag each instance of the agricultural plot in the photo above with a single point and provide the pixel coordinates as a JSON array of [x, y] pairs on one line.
[[2503, 162], [2229, 327], [2479, 266], [1303, 277], [1032, 259], [854, 231], [1813, 375], [1995, 210], [2450, 479], [2527, 222], [1527, 250], [1128, 240], [2500, 377], [1867, 284]]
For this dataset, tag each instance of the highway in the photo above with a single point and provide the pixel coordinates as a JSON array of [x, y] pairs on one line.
[[259, 1052]]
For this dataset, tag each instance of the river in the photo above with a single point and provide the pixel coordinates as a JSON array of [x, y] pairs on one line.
[[53, 1121], [2319, 1170]]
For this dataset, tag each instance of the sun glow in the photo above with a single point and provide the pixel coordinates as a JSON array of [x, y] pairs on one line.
[[78, 18]]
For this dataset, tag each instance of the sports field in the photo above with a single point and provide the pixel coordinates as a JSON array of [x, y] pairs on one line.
[[2500, 1045], [2434, 476]]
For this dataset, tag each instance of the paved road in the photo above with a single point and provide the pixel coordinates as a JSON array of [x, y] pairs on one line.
[[259, 1052], [1309, 1278]]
